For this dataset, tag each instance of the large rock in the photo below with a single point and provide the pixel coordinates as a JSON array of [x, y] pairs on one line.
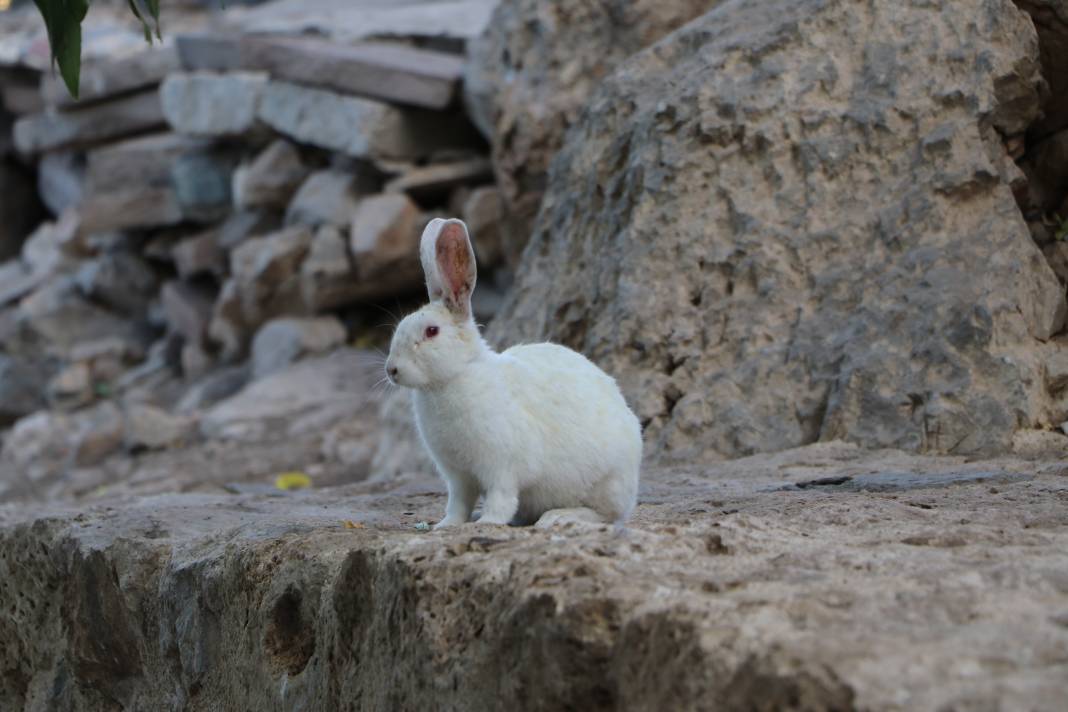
[[746, 586], [534, 68], [771, 225]]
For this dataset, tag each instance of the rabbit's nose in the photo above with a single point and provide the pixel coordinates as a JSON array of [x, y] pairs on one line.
[[392, 371]]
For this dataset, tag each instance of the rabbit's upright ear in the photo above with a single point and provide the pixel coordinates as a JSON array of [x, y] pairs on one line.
[[449, 264]]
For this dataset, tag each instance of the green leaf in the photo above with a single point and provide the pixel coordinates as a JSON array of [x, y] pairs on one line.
[[145, 27], [63, 20], [153, 9]]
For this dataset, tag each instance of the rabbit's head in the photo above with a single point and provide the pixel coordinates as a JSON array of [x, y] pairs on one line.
[[433, 345]]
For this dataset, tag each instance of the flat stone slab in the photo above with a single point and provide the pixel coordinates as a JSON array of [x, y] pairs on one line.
[[349, 20], [389, 72], [442, 177], [106, 78], [208, 104], [209, 52], [361, 128], [50, 131], [719, 591]]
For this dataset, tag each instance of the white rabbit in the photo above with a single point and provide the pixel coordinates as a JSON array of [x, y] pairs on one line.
[[535, 428]]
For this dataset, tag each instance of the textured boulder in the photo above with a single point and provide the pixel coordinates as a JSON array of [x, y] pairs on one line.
[[532, 71], [781, 224]]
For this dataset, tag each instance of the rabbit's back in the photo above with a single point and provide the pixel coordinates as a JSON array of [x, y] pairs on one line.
[[581, 436]]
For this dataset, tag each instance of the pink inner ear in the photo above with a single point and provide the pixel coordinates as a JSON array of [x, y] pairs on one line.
[[454, 260]]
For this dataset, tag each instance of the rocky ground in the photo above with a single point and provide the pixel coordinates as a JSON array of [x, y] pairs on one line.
[[819, 578]]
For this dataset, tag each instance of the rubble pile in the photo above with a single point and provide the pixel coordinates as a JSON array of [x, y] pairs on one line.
[[210, 210]]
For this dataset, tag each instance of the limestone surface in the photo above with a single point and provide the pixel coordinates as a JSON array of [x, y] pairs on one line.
[[820, 578]]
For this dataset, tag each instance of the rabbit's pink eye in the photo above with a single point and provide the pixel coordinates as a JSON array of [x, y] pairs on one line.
[[431, 332]]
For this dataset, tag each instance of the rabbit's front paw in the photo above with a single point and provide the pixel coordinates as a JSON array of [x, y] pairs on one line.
[[449, 522]]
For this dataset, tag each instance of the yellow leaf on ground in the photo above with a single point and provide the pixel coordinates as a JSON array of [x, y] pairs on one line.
[[292, 480]]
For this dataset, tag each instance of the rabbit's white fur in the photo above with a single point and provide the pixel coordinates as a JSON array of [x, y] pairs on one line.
[[535, 428]]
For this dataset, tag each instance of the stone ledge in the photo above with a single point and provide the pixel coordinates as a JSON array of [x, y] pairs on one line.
[[725, 591]]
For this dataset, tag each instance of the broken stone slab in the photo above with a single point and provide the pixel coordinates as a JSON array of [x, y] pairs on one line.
[[339, 379], [327, 277], [360, 128], [188, 309], [16, 281], [207, 253], [325, 197], [212, 388], [144, 161], [148, 207], [61, 180], [201, 183], [121, 281], [440, 178], [156, 181], [227, 328], [243, 224], [209, 52], [51, 131], [22, 385], [384, 243], [72, 387], [146, 427], [50, 248], [58, 315], [280, 342], [48, 443], [266, 271], [483, 212], [271, 179], [200, 255], [393, 73], [206, 104], [107, 78], [450, 23]]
